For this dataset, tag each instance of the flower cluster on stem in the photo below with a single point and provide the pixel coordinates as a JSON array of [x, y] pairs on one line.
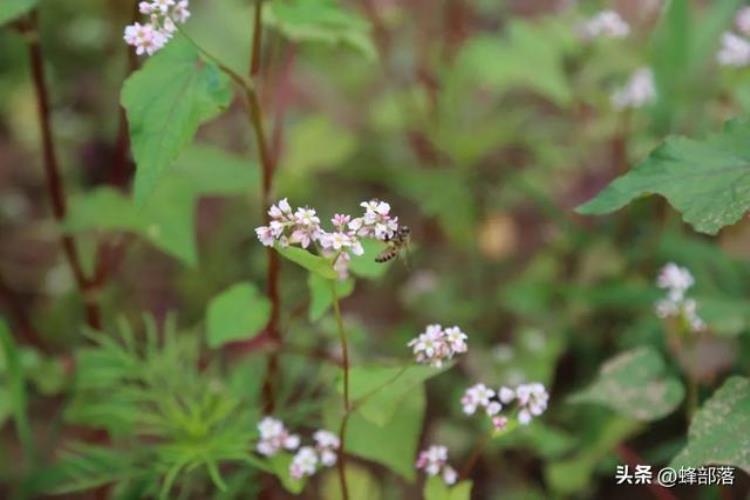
[[434, 461], [163, 18], [605, 24], [677, 281], [437, 344], [309, 458], [302, 227], [274, 437], [526, 401], [735, 48]]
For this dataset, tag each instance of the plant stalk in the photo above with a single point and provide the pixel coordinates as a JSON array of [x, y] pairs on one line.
[[341, 462]]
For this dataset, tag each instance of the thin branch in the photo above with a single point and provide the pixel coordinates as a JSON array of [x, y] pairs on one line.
[[341, 462], [52, 173]]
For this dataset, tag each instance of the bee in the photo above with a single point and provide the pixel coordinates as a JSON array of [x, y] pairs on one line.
[[399, 241]]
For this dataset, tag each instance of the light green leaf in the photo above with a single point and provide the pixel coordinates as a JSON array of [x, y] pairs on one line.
[[166, 101], [321, 295], [166, 218], [304, 140], [377, 391], [309, 261], [361, 483], [635, 384], [321, 21], [238, 313], [16, 389], [280, 467], [720, 430], [708, 181], [436, 489], [530, 56], [10, 10], [393, 445], [364, 265]]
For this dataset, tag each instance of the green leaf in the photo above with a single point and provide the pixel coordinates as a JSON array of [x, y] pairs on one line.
[[313, 263], [361, 483], [530, 56], [238, 313], [720, 430], [708, 181], [10, 10], [393, 445], [635, 384], [364, 265], [166, 218], [280, 467], [321, 295], [377, 391], [320, 21], [436, 489], [166, 101], [304, 138], [16, 389]]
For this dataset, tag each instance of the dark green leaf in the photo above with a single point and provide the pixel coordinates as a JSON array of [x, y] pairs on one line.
[[13, 9], [313, 263], [166, 101], [708, 181]]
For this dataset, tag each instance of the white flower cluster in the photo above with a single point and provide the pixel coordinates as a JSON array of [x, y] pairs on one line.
[[637, 92], [302, 227], [735, 49], [164, 15], [434, 461], [436, 344], [274, 437], [676, 281], [605, 24], [307, 459], [530, 401]]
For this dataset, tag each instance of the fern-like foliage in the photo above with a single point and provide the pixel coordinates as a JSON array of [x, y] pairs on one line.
[[164, 416]]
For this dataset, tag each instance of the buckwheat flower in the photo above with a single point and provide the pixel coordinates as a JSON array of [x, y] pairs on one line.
[[734, 51], [675, 279], [145, 8], [304, 463], [265, 235], [181, 13], [494, 408], [306, 217], [337, 241], [639, 91], [376, 221], [506, 394], [743, 20], [341, 221], [532, 401], [282, 209], [449, 475], [456, 339], [144, 38], [434, 461], [326, 444], [341, 265], [690, 312], [499, 422], [605, 24], [274, 437], [478, 395]]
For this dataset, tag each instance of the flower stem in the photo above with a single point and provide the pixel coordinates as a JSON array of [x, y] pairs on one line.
[[341, 463], [55, 186], [475, 455]]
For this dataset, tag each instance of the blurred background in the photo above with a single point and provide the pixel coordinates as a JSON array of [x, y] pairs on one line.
[[483, 122]]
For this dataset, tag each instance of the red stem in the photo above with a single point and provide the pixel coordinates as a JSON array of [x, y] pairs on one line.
[[52, 173]]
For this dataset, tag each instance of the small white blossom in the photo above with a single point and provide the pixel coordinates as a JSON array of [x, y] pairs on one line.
[[532, 401], [734, 51], [274, 437], [677, 281], [164, 15], [605, 24], [639, 91], [304, 463], [436, 345], [506, 394], [434, 461]]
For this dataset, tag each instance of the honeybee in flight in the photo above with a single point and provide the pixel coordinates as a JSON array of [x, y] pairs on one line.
[[399, 241]]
